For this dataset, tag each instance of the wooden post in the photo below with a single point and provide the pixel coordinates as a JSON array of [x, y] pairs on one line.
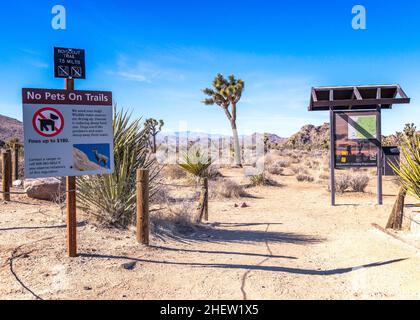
[[143, 206], [71, 202], [15, 163], [5, 164], [332, 156], [206, 199], [9, 165]]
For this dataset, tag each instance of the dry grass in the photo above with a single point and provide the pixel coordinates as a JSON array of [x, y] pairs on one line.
[[177, 220], [359, 183], [276, 167], [225, 188], [304, 178], [173, 172]]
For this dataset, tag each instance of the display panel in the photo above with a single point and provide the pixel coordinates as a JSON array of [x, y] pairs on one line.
[[356, 139]]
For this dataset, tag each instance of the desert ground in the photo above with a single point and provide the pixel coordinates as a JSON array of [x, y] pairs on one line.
[[287, 243]]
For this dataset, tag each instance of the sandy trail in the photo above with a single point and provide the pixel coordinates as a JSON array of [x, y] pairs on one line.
[[288, 244]]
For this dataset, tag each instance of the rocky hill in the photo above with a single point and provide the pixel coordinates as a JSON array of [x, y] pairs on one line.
[[10, 128], [310, 137]]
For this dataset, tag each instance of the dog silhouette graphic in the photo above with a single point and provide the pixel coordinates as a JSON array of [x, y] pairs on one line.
[[48, 124]]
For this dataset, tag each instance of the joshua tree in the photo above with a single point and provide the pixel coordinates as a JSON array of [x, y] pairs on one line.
[[227, 93], [154, 127]]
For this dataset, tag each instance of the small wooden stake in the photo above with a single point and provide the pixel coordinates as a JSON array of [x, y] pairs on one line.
[[9, 163], [15, 163], [143, 206], [206, 199], [71, 202], [6, 175]]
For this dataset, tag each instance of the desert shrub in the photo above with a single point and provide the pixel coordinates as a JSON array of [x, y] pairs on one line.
[[159, 195], [177, 220], [283, 163], [213, 173], [300, 170], [261, 180], [111, 198], [324, 176], [257, 180], [304, 178], [342, 183], [358, 183], [276, 167], [174, 172], [226, 188]]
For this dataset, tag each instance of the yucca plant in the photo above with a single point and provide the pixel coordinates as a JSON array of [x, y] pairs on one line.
[[409, 177], [112, 197], [409, 169], [196, 163]]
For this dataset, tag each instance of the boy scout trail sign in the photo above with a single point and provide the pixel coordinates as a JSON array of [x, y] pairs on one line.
[[67, 133], [69, 63]]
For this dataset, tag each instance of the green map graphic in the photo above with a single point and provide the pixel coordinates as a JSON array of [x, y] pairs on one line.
[[364, 127]]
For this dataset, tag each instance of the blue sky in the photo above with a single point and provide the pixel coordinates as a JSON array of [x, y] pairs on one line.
[[156, 56]]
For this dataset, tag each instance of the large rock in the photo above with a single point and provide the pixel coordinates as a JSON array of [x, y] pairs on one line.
[[45, 188]]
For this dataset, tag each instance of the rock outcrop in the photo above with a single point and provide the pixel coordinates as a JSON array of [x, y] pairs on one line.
[[44, 189]]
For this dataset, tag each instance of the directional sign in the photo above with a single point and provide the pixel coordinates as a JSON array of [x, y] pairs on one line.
[[67, 133], [69, 63]]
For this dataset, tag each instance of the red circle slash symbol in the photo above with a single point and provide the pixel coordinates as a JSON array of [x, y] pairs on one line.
[[48, 122]]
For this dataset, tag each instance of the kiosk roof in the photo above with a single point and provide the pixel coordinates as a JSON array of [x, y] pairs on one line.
[[357, 97]]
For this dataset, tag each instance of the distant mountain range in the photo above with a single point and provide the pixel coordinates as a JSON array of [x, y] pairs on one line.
[[10, 128], [308, 136]]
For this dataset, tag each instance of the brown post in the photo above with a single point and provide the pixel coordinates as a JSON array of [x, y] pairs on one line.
[[71, 202], [9, 164], [206, 199], [6, 176], [143, 206], [15, 163]]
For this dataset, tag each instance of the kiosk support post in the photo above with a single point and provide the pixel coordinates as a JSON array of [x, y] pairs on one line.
[[380, 157], [332, 157], [71, 201]]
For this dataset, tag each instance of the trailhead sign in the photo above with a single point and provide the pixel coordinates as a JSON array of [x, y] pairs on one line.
[[356, 142], [67, 133], [69, 63]]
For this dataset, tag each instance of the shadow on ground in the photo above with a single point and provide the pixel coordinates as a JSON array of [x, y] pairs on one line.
[[311, 272]]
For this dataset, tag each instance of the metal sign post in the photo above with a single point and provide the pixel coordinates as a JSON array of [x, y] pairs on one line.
[[380, 160], [332, 157]]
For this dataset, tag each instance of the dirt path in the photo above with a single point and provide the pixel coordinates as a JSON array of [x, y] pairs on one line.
[[288, 244]]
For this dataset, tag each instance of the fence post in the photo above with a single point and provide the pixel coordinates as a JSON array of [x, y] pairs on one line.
[[5, 164], [143, 206], [6, 175], [9, 163], [206, 199], [15, 163]]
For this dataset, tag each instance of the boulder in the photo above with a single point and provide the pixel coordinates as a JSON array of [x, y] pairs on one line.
[[44, 188], [17, 183]]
